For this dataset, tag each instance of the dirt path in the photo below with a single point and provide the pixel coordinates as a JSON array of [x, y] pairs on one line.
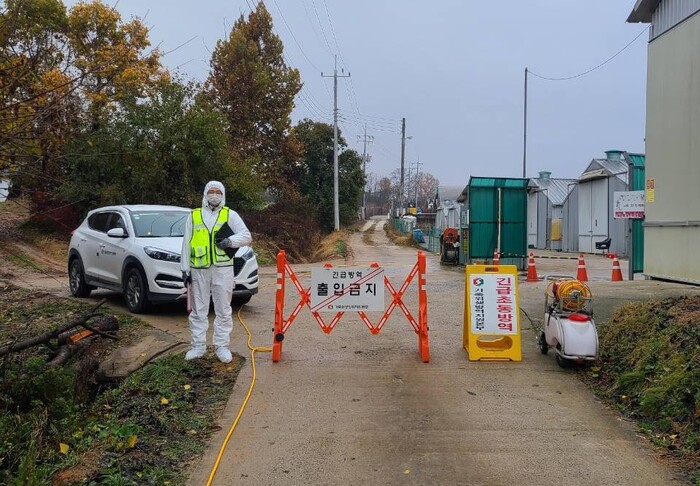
[[352, 408]]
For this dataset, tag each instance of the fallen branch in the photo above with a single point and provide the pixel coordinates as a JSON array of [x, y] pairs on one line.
[[68, 350], [47, 337]]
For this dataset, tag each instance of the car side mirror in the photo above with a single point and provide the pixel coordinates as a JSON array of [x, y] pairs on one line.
[[117, 233]]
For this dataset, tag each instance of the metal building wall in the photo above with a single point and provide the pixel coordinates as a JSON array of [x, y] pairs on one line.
[[594, 213], [672, 223], [670, 13], [532, 219], [556, 213], [618, 228], [569, 223], [542, 220], [637, 183], [484, 196]]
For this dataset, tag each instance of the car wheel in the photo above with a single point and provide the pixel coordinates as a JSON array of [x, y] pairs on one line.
[[136, 291], [76, 279], [241, 300]]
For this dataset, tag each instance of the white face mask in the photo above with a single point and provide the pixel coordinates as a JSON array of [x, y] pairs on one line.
[[214, 199]]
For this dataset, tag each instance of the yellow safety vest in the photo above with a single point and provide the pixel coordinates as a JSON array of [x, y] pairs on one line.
[[203, 249]]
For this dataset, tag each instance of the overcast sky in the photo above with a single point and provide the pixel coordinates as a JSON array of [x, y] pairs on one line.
[[453, 68]]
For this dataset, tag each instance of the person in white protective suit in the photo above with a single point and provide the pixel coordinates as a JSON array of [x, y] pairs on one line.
[[209, 269]]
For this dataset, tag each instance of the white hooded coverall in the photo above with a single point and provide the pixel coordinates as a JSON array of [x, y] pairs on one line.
[[215, 281]]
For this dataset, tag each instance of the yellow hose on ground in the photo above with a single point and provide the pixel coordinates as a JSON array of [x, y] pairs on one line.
[[253, 350]]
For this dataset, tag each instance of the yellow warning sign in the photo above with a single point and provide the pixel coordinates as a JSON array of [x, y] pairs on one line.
[[491, 313]]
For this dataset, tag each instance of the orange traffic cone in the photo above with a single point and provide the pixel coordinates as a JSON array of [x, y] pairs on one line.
[[616, 272], [496, 257], [581, 274], [531, 271]]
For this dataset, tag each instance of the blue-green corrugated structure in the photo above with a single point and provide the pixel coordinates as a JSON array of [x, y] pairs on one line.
[[484, 194], [637, 182]]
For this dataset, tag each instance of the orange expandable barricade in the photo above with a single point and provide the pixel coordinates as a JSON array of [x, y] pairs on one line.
[[281, 325]]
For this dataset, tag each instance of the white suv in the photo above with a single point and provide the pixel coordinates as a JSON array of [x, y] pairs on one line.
[[135, 249]]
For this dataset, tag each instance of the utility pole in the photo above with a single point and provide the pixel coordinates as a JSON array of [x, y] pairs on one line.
[[365, 158], [418, 164], [336, 210], [403, 152], [525, 129]]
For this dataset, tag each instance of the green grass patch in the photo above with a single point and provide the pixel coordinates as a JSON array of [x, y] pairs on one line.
[[60, 425], [341, 248], [650, 369]]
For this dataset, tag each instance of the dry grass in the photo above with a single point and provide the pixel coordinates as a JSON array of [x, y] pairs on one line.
[[332, 247], [398, 238], [54, 248], [12, 214]]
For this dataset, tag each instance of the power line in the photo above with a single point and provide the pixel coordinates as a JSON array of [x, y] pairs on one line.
[[322, 29], [294, 37], [313, 28], [387, 122], [593, 68]]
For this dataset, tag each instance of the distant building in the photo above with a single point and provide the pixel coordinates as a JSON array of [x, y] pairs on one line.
[[545, 205], [448, 213], [672, 207], [587, 212]]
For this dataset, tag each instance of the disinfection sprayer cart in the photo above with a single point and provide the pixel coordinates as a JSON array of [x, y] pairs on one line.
[[569, 328]]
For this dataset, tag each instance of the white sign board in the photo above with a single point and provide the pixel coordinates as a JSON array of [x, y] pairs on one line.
[[628, 204], [347, 289], [494, 304]]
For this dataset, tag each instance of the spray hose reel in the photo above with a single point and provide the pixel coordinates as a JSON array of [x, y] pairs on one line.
[[569, 295]]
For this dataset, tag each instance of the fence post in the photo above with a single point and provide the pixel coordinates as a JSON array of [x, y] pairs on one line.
[[278, 334], [423, 344]]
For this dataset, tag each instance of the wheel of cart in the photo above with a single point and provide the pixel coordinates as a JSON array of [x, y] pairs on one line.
[[542, 343]]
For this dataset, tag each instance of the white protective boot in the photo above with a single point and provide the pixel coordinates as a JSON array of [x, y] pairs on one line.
[[195, 353], [224, 354]]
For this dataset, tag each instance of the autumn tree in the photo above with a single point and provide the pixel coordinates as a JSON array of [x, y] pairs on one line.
[[61, 70], [424, 185], [379, 195], [35, 90], [314, 173], [253, 86]]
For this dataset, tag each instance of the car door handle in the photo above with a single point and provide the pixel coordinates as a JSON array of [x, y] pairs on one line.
[[102, 245], [83, 239]]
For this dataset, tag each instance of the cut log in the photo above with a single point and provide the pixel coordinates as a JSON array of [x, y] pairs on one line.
[[46, 338]]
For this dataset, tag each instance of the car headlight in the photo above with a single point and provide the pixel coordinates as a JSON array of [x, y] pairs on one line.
[[248, 255], [158, 254]]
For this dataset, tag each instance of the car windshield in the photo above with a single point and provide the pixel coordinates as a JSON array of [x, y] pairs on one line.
[[159, 224]]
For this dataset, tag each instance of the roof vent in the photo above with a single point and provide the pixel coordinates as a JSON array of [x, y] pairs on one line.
[[613, 154], [545, 174]]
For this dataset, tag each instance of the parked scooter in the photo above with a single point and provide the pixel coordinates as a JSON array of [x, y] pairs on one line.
[[569, 327]]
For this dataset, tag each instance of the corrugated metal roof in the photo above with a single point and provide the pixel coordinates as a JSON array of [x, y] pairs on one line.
[[638, 160], [643, 10], [556, 190], [607, 167], [498, 182]]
